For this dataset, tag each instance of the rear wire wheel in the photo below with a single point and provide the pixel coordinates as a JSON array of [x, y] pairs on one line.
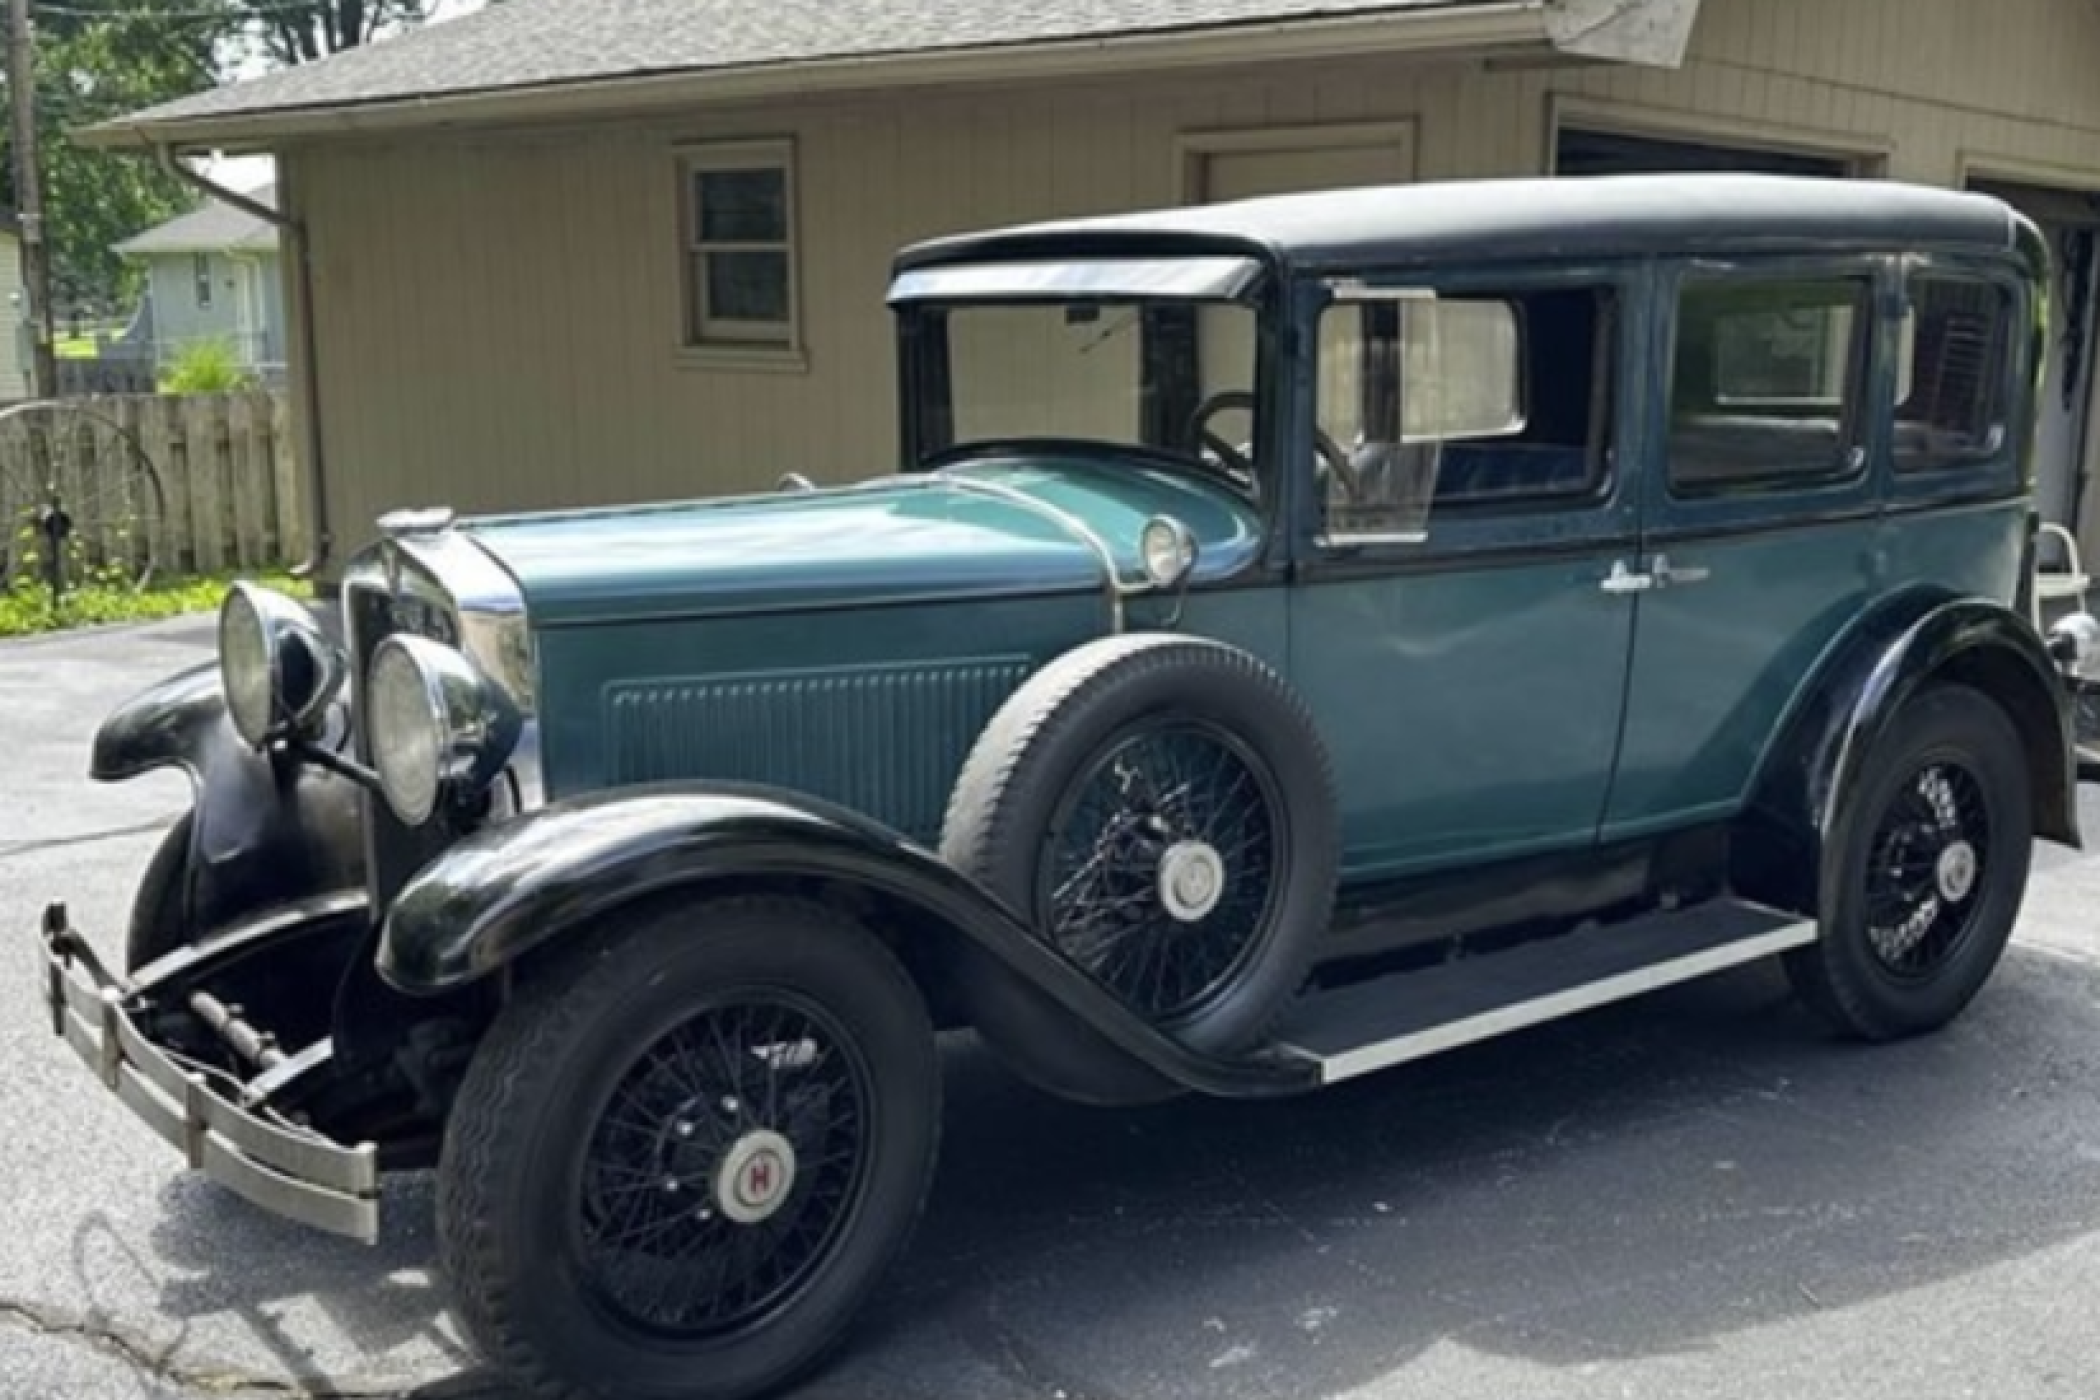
[[1923, 879]]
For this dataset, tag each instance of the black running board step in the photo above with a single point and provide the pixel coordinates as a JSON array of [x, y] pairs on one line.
[[1413, 1015]]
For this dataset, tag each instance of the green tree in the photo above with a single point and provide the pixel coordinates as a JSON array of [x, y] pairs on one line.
[[98, 59], [301, 31]]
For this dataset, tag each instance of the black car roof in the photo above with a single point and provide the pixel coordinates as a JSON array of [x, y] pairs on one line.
[[1530, 218]]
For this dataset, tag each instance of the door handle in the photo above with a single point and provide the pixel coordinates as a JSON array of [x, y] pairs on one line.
[[1623, 579], [1668, 575]]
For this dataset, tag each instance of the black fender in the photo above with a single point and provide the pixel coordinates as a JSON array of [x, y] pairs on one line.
[[1912, 640], [268, 829], [510, 889]]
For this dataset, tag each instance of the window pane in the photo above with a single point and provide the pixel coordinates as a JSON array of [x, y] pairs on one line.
[[747, 286], [1951, 373], [742, 206], [1459, 401], [1765, 380]]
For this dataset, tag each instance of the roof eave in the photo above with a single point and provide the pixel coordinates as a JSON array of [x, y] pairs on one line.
[[1515, 26]]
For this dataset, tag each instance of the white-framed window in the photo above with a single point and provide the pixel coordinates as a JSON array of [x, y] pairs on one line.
[[200, 276], [738, 222]]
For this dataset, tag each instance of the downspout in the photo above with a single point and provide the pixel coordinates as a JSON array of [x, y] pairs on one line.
[[299, 258]]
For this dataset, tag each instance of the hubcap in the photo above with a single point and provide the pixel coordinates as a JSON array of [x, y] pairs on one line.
[[1955, 871], [757, 1174], [1191, 880]]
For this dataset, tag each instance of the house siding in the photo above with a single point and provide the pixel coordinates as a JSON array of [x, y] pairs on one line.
[[497, 316]]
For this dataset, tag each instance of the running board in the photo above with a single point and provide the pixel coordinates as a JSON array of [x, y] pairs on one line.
[[1413, 1015]]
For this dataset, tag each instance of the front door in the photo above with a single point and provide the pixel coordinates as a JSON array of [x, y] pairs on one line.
[[1453, 628]]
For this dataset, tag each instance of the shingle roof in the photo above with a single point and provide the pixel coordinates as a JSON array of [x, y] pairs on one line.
[[541, 43], [211, 228]]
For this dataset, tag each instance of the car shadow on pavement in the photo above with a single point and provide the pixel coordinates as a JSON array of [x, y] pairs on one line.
[[1640, 1181]]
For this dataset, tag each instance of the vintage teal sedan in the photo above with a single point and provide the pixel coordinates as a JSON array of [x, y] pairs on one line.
[[1304, 636]]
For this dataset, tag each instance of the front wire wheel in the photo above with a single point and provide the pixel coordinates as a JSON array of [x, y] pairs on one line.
[[686, 1153], [1925, 871]]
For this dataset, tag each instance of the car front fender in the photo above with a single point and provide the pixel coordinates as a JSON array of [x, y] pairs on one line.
[[1913, 640], [508, 890], [267, 830]]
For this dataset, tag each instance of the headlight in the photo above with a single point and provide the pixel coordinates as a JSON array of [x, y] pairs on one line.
[[432, 720], [2075, 643], [1167, 549], [278, 668]]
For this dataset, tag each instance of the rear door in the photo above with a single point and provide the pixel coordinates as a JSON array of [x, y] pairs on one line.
[[1760, 523]]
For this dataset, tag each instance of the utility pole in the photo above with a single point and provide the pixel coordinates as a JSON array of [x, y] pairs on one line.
[[29, 199]]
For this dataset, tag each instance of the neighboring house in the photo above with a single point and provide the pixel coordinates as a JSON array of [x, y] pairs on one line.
[[566, 253], [15, 381], [215, 274]]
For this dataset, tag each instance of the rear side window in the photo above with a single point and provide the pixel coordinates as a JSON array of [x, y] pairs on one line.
[[1766, 381], [1951, 371]]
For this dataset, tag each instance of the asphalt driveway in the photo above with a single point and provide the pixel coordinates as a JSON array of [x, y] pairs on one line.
[[1696, 1195]]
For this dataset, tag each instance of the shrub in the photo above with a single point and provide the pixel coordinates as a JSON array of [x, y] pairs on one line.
[[205, 367]]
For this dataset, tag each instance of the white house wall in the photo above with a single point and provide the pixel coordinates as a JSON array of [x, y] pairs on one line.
[[497, 316], [14, 364], [179, 321]]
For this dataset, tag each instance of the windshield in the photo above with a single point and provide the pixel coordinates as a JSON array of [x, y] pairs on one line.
[[1170, 378]]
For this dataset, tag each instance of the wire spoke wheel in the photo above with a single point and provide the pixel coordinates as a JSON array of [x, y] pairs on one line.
[[1926, 862], [1159, 873], [80, 498], [723, 1167]]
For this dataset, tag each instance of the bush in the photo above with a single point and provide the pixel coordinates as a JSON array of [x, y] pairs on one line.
[[27, 607], [205, 367]]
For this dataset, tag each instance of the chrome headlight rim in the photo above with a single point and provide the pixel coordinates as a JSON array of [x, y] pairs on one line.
[[469, 727], [1166, 551], [278, 670]]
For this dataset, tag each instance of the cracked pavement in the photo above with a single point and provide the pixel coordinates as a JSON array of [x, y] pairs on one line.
[[1696, 1195]]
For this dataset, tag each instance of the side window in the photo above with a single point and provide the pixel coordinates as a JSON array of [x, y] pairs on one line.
[[1766, 381], [1952, 352], [1453, 402]]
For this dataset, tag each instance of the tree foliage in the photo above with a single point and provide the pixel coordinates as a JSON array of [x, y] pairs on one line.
[[302, 31], [100, 59]]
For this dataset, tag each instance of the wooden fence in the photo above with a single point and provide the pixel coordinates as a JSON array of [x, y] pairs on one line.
[[178, 483]]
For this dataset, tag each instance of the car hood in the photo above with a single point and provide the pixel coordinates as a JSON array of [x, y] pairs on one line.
[[1006, 527]]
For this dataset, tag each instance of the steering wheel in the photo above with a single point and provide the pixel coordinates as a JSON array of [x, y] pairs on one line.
[[1235, 461]]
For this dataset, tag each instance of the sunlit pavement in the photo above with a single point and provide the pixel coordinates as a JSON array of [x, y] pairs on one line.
[[1697, 1195]]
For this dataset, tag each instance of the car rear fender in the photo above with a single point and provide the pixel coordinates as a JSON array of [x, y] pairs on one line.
[[1913, 640], [268, 829], [508, 891]]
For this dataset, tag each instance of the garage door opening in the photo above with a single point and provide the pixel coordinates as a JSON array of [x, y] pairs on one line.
[[1580, 152]]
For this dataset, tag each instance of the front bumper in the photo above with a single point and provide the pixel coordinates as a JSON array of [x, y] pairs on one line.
[[203, 1113]]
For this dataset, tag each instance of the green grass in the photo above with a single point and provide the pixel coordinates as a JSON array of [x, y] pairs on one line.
[[27, 607], [74, 347]]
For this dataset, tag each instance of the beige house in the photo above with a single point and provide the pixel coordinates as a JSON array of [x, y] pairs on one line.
[[559, 252]]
